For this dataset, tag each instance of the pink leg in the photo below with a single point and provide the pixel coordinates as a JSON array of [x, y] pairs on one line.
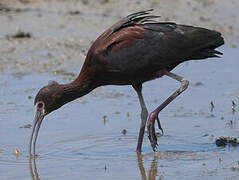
[[144, 116], [154, 115]]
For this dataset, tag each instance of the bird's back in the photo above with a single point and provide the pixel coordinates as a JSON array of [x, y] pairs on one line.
[[136, 52]]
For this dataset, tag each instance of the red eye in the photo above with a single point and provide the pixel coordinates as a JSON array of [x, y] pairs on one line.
[[40, 105]]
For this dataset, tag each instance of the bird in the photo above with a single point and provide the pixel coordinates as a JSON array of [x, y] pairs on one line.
[[136, 49]]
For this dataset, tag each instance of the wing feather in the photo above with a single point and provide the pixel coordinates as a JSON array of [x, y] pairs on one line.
[[136, 45]]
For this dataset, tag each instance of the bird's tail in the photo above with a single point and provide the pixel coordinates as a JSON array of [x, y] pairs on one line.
[[207, 49]]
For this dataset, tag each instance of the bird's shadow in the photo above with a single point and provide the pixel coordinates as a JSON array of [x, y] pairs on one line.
[[151, 175]]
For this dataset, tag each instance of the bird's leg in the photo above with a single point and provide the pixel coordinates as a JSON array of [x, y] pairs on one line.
[[144, 116], [154, 115]]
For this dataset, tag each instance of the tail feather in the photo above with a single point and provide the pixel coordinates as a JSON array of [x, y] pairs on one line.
[[207, 50]]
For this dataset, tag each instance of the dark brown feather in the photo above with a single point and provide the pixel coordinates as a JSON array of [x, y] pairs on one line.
[[134, 50]]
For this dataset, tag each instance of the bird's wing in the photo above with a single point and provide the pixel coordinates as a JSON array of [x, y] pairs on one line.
[[153, 46], [137, 48], [120, 35], [113, 35], [130, 20], [134, 45]]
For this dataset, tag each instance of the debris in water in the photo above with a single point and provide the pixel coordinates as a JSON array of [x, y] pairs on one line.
[[19, 34], [26, 126], [17, 152], [74, 12], [64, 73], [234, 168], [82, 101], [124, 131], [211, 116], [230, 123], [104, 117], [155, 100], [128, 115], [223, 141], [197, 84], [117, 112], [3, 8], [233, 107], [212, 106]]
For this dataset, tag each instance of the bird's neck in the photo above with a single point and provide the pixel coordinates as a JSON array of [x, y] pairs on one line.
[[78, 88]]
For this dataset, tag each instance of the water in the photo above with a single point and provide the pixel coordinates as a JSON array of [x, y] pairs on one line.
[[75, 142], [84, 139]]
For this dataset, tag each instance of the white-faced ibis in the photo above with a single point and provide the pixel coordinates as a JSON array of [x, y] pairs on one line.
[[134, 50]]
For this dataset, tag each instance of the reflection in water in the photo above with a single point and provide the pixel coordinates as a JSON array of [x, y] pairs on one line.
[[153, 168], [34, 173], [152, 173]]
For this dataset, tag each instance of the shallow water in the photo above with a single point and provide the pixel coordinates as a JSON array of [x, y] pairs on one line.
[[84, 139]]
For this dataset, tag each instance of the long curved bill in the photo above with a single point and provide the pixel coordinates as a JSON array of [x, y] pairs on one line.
[[35, 129]]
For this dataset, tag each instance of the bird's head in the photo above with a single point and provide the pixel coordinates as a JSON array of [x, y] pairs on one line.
[[47, 100]]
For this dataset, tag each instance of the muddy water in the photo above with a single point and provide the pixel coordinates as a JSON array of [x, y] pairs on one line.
[[84, 139]]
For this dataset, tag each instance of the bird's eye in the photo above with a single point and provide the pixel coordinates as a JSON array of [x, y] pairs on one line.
[[40, 105]]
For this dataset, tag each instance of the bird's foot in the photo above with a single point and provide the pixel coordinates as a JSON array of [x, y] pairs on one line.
[[151, 130]]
